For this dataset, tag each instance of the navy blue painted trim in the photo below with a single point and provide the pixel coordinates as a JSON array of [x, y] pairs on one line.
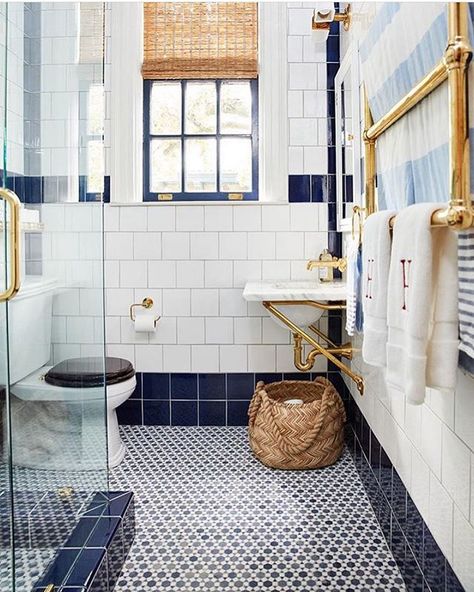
[[201, 196]]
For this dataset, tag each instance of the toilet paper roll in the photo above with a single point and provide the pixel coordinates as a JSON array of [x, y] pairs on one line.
[[145, 323], [320, 35]]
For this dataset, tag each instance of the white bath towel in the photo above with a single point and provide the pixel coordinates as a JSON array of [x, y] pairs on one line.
[[351, 283], [375, 269], [422, 346]]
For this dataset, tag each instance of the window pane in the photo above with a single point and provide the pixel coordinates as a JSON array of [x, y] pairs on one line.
[[95, 166], [200, 107], [165, 108], [236, 108], [165, 165], [236, 164], [200, 167], [95, 110]]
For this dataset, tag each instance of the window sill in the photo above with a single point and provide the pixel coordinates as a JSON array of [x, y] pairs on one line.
[[242, 203]]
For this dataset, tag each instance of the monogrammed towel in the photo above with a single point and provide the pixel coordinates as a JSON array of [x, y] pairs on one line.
[[375, 268], [422, 348]]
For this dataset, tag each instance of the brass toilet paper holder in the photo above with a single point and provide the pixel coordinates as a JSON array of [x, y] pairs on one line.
[[145, 303]]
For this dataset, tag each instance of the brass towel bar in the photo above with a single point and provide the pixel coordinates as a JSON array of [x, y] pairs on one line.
[[459, 213]]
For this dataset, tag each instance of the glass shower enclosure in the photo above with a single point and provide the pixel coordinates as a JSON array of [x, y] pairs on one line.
[[53, 441]]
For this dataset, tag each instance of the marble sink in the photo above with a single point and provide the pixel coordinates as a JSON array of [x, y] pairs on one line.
[[286, 290]]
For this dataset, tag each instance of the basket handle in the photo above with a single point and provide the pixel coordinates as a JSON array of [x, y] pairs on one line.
[[255, 402]]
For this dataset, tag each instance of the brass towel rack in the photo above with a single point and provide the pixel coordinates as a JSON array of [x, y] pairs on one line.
[[453, 67]]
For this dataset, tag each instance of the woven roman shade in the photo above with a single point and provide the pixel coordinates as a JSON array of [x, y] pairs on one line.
[[200, 40], [91, 32]]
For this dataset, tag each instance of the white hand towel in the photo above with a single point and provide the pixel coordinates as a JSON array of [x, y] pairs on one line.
[[375, 269], [422, 303], [351, 283]]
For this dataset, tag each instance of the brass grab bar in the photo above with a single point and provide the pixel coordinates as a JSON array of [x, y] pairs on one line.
[[15, 275]]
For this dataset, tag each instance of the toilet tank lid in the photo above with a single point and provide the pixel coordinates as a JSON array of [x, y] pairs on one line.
[[89, 372]]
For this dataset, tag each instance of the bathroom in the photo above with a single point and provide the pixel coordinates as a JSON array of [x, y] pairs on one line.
[[198, 198]]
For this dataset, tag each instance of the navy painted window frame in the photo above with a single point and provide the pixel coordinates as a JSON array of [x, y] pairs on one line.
[[199, 196]]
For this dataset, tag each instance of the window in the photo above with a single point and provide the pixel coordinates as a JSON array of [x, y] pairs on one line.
[[201, 140], [200, 65], [92, 140]]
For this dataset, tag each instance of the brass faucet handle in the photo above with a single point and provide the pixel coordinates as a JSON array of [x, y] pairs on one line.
[[335, 263]]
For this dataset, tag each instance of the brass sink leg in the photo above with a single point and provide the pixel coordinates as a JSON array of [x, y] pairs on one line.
[[299, 335]]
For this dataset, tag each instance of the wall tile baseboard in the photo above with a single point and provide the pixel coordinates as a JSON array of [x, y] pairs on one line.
[[422, 564], [200, 399]]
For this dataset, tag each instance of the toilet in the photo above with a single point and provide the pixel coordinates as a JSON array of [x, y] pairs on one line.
[[76, 383]]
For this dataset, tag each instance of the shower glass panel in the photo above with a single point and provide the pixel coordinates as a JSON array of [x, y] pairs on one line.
[[6, 511], [53, 404]]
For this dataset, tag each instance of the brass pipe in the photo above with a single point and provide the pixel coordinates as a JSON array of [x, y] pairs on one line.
[[420, 91], [457, 58], [298, 355], [313, 303], [370, 162], [322, 336], [295, 329]]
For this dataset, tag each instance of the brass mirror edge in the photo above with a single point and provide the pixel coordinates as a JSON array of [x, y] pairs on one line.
[[459, 212], [15, 273]]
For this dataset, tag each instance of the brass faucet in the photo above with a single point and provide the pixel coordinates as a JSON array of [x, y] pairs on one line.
[[329, 262]]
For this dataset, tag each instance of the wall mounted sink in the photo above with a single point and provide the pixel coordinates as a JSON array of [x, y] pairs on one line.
[[298, 291]]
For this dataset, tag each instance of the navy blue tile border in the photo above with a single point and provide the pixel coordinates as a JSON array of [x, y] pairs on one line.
[[205, 399], [422, 564], [93, 556]]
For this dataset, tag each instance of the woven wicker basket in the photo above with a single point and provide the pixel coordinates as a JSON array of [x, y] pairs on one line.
[[307, 435]]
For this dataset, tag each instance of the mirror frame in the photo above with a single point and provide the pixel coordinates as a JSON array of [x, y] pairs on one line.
[[349, 65]]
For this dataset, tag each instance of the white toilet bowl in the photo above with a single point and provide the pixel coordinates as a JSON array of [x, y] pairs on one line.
[[34, 388]]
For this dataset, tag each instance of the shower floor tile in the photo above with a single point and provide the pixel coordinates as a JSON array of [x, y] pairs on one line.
[[210, 517]]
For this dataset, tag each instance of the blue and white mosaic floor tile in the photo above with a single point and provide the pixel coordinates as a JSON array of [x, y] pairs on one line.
[[211, 517]]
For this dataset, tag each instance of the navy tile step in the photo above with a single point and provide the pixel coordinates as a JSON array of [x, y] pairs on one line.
[[92, 557]]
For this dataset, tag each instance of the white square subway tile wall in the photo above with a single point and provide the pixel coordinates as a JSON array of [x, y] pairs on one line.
[[195, 271], [307, 98]]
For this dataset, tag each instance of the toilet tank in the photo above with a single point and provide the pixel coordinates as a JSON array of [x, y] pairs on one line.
[[29, 328]]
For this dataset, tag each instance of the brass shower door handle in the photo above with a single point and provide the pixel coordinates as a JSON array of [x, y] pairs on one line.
[[14, 276]]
